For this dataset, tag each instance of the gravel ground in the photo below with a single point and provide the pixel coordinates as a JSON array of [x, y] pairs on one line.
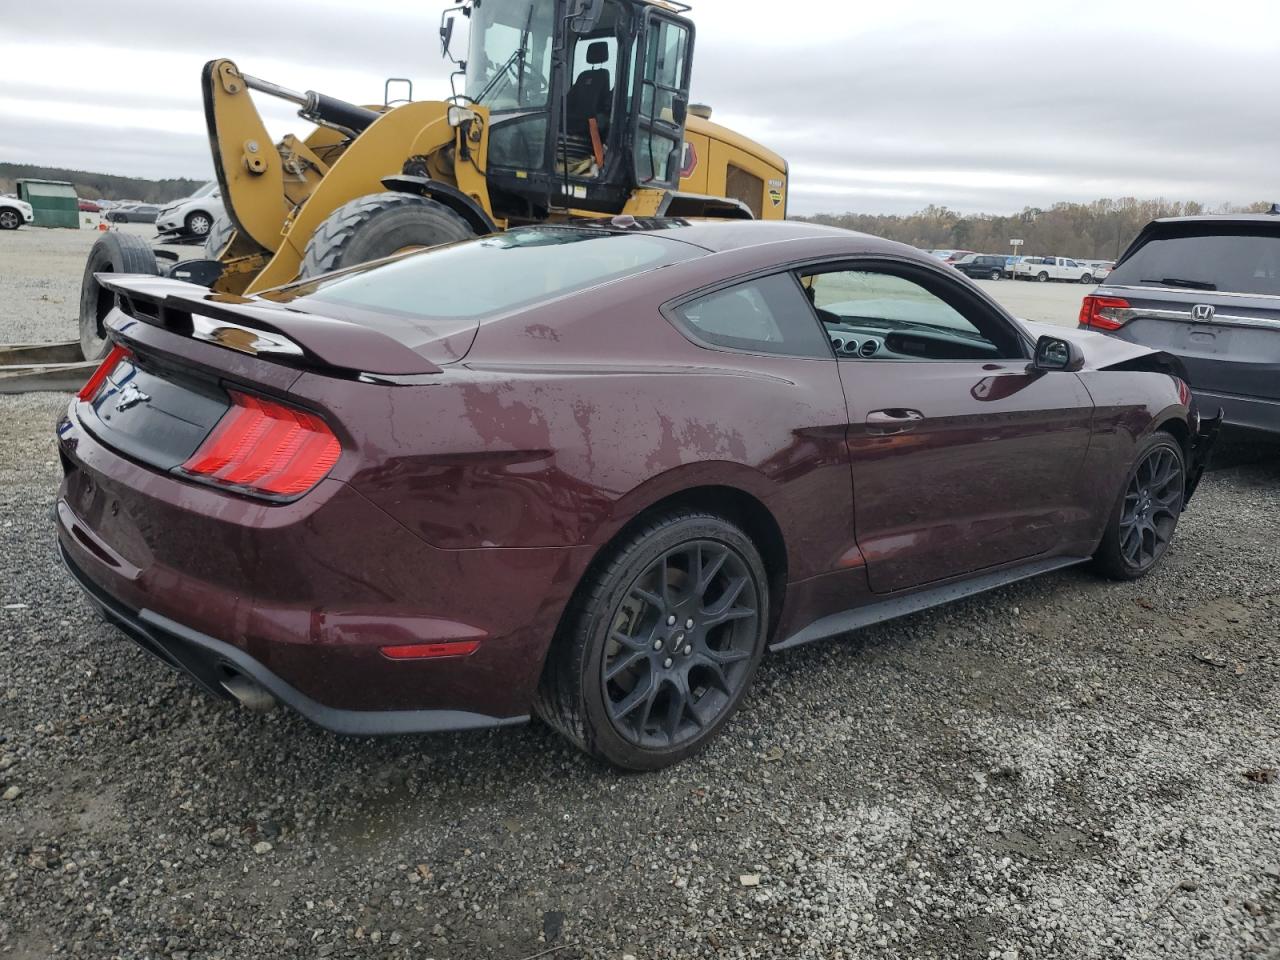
[[40, 273], [1060, 769]]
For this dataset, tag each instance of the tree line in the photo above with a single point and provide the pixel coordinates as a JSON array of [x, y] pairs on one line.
[[100, 186], [1100, 230]]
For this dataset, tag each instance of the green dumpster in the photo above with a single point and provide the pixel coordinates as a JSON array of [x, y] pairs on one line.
[[54, 202]]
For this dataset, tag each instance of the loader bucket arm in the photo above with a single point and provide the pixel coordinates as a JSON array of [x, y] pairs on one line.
[[245, 160]]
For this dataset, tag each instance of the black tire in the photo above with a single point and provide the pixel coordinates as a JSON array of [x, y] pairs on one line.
[[379, 225], [996, 274], [1042, 277], [199, 223], [1087, 278], [218, 237], [1149, 502], [692, 685], [111, 253], [10, 219]]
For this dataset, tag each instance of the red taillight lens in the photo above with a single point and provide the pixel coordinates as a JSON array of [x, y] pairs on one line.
[[266, 447], [95, 382], [1184, 392], [1102, 313]]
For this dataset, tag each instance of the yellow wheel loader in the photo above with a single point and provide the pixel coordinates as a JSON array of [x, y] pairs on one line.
[[568, 109]]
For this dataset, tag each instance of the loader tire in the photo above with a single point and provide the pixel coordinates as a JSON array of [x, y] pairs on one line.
[[379, 225], [111, 253], [218, 237]]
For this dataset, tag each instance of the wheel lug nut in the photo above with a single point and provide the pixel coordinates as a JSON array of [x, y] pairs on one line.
[[667, 662], [657, 644], [688, 650], [688, 624], [671, 620]]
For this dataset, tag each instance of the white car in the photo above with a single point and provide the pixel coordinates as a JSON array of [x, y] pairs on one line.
[[1053, 268], [14, 213], [193, 216]]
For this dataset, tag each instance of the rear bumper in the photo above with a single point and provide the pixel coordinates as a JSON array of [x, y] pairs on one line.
[[303, 598], [211, 663]]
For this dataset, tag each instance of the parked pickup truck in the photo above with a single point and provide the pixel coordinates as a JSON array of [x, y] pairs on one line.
[[1045, 269]]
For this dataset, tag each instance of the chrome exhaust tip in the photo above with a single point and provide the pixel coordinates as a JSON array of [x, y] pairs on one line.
[[251, 696]]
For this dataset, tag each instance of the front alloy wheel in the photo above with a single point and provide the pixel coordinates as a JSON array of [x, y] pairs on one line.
[[1152, 503], [1143, 521]]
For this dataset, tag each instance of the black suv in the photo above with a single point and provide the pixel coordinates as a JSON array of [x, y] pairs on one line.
[[1207, 290], [983, 266]]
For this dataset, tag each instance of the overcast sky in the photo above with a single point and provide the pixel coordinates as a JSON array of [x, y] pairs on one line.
[[880, 107]]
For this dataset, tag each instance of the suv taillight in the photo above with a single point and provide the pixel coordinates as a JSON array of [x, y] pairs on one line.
[[1103, 313], [263, 447]]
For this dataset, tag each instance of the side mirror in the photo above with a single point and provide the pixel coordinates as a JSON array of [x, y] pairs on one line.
[[680, 110], [446, 32], [1055, 354], [584, 15]]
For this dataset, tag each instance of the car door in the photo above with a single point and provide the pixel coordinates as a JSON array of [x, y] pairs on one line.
[[961, 458]]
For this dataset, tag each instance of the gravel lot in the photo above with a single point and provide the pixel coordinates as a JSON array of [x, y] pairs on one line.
[[40, 272], [1060, 769]]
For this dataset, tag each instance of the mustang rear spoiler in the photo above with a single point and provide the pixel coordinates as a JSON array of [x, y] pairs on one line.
[[250, 326]]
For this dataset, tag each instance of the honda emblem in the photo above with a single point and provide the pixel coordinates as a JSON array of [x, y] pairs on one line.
[[1202, 311]]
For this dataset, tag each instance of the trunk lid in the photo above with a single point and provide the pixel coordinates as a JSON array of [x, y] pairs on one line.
[[286, 335], [1229, 343]]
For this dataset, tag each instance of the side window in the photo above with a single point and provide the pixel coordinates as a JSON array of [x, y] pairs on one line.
[[767, 315], [875, 315]]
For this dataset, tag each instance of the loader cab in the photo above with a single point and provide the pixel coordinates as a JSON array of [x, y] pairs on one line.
[[587, 101]]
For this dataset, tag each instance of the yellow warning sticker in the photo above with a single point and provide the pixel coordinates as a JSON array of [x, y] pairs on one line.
[[776, 197]]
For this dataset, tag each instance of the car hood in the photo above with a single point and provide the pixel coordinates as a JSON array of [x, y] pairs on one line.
[[1100, 351]]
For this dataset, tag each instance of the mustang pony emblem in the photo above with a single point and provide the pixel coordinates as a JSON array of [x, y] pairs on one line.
[[130, 396]]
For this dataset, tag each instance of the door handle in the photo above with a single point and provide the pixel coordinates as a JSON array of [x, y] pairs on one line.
[[895, 420]]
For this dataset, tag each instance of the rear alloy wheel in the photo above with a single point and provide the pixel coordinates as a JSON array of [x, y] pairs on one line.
[[1143, 521], [199, 224], [660, 644], [995, 274], [377, 226], [1042, 277], [113, 252], [1087, 278], [9, 219]]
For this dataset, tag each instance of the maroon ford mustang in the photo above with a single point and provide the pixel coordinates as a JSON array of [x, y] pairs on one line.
[[592, 471]]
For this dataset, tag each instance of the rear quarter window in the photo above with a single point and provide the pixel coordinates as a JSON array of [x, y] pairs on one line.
[[767, 315]]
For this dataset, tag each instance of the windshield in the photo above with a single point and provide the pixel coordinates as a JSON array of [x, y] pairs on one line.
[[509, 58], [1236, 263], [207, 189], [448, 290]]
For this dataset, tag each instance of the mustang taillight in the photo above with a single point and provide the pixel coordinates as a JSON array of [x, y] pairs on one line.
[[1102, 313], [94, 384], [265, 447]]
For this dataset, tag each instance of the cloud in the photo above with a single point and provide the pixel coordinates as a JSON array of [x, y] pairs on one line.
[[878, 108]]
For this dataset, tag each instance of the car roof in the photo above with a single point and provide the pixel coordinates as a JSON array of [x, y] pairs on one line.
[[717, 235], [1272, 219]]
